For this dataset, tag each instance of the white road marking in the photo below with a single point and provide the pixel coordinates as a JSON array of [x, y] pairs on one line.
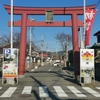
[[98, 88], [27, 90], [76, 91], [93, 92], [43, 91], [60, 91], [50, 69], [9, 92]]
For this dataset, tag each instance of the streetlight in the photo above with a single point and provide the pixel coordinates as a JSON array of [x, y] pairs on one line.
[[11, 24], [11, 80], [84, 22], [30, 60]]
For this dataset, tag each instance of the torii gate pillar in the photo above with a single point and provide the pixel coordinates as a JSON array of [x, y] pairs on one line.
[[76, 56], [22, 54]]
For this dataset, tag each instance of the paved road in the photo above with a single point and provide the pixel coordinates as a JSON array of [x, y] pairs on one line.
[[48, 83]]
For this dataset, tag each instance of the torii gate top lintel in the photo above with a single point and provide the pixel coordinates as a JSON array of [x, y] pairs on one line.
[[41, 10]]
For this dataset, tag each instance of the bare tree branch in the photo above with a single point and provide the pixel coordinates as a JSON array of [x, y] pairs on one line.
[[61, 38], [5, 42]]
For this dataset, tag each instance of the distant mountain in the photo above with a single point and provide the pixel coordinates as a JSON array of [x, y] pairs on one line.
[[59, 52]]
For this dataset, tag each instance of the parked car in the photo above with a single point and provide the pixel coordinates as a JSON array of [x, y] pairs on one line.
[[56, 64]]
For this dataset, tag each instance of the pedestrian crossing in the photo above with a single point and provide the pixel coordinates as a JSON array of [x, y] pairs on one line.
[[96, 94], [76, 91], [27, 90], [9, 92], [61, 92]]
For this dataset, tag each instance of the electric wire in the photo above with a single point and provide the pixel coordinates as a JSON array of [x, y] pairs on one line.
[[97, 4]]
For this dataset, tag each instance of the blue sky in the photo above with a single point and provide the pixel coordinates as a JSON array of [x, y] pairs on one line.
[[47, 32]]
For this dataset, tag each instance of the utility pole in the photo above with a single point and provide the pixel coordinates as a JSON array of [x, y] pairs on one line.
[[47, 49], [42, 44], [66, 52], [30, 60], [30, 45], [56, 51]]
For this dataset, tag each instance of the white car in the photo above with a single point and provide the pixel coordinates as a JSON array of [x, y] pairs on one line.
[[56, 64]]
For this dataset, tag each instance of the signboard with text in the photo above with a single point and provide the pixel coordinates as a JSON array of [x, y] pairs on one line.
[[49, 16], [10, 63], [87, 66]]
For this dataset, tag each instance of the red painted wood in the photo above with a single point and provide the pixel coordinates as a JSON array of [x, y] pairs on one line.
[[76, 58], [22, 45], [44, 24], [41, 10]]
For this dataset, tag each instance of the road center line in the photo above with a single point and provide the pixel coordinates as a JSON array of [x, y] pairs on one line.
[[50, 69]]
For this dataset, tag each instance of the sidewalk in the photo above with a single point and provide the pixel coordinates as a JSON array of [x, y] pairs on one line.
[[70, 72]]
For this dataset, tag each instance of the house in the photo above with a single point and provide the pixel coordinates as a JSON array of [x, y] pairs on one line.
[[96, 48]]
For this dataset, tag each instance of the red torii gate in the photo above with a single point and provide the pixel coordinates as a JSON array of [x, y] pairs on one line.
[[25, 22]]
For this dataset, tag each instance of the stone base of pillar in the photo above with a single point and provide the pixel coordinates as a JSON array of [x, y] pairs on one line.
[[42, 64], [10, 81], [21, 76]]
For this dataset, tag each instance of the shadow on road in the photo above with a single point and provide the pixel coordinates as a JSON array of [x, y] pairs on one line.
[[60, 74], [52, 96], [0, 73]]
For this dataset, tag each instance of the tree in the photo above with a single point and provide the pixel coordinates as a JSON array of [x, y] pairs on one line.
[[62, 39], [5, 42]]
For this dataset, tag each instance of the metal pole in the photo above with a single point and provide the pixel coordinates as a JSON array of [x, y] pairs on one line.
[[66, 53], [11, 24], [81, 40], [11, 80], [56, 51], [30, 45], [84, 23], [47, 49], [42, 51], [67, 48]]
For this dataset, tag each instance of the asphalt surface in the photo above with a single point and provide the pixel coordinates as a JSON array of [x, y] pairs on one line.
[[50, 78]]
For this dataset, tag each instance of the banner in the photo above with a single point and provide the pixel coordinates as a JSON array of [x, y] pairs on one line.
[[89, 17], [87, 66]]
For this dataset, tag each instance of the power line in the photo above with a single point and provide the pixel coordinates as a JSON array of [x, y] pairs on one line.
[[36, 39], [97, 4], [4, 29]]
